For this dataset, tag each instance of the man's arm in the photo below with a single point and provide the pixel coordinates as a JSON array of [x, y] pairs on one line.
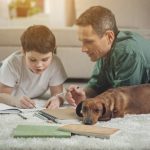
[[90, 92], [129, 71]]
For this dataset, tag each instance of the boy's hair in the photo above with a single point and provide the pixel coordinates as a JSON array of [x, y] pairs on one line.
[[100, 18], [38, 38]]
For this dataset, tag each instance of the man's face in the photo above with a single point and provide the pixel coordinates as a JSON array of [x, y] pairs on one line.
[[94, 45], [38, 62]]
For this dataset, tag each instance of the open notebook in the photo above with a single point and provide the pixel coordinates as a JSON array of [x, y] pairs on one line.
[[6, 109], [89, 130]]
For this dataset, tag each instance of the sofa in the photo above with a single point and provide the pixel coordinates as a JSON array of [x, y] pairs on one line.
[[76, 63], [130, 15], [68, 49]]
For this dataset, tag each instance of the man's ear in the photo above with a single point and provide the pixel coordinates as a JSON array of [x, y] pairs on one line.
[[110, 36], [78, 109]]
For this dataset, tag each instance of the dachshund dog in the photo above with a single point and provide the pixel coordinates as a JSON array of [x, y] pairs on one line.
[[114, 103]]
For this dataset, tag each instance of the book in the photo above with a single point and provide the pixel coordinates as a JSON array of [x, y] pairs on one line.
[[7, 109], [89, 130], [28, 131]]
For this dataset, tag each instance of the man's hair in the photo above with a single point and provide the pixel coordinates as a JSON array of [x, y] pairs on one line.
[[38, 38], [100, 18]]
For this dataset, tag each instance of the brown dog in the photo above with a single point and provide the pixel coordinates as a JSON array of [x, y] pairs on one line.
[[115, 103]]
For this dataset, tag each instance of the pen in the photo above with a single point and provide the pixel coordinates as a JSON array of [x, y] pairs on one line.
[[29, 101], [62, 93], [49, 117], [33, 105], [23, 117]]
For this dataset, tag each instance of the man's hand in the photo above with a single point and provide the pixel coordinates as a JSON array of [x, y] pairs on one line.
[[75, 95]]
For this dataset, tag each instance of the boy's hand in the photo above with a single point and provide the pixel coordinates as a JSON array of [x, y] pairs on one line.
[[25, 102], [75, 95], [53, 103]]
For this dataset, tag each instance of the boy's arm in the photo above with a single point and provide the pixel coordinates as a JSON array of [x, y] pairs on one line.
[[5, 96], [5, 89], [54, 90], [55, 101]]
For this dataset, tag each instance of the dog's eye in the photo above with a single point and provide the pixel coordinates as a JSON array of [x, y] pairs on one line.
[[96, 110]]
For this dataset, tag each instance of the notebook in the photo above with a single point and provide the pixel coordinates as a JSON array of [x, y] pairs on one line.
[[28, 131], [7, 109], [89, 130], [61, 113]]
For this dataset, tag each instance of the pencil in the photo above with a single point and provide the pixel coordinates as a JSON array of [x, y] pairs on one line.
[[60, 93], [23, 117]]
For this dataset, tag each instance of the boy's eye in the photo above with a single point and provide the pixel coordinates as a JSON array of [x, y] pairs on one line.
[[45, 59], [33, 60]]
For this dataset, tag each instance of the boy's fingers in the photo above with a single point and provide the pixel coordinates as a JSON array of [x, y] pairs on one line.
[[47, 104], [24, 104], [28, 103], [71, 101]]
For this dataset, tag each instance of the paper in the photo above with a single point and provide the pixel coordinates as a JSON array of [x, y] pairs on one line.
[[8, 109], [39, 131], [62, 113]]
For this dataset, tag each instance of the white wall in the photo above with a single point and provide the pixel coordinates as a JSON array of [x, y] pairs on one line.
[[54, 15], [4, 13], [129, 13], [57, 13]]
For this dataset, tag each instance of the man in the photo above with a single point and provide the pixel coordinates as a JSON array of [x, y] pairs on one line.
[[122, 58]]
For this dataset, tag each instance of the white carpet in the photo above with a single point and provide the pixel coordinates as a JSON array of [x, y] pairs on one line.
[[134, 134]]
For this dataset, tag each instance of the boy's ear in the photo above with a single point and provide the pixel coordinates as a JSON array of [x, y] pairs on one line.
[[23, 51]]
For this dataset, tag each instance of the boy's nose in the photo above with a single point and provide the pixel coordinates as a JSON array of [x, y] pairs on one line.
[[39, 64]]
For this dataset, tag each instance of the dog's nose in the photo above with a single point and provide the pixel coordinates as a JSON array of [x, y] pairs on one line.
[[88, 121]]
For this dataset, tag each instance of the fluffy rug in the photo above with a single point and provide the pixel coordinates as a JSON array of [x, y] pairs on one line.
[[134, 134]]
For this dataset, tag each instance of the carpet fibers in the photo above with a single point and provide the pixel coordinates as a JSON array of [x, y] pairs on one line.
[[134, 134]]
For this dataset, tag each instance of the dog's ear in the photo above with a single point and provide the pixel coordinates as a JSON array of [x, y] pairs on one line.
[[106, 114], [78, 109], [104, 109]]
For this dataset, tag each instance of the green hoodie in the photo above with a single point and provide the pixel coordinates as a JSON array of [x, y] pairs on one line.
[[128, 63]]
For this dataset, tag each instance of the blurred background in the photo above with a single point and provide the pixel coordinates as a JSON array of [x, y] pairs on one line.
[[60, 13], [59, 16]]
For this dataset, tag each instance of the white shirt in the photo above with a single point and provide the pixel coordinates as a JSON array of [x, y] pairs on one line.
[[14, 73]]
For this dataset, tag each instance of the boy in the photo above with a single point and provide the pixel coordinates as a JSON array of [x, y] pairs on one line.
[[30, 73]]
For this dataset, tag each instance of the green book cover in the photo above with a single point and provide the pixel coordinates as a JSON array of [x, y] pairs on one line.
[[39, 131]]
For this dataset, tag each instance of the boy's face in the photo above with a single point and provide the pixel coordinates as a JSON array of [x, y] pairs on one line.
[[95, 46], [38, 62]]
